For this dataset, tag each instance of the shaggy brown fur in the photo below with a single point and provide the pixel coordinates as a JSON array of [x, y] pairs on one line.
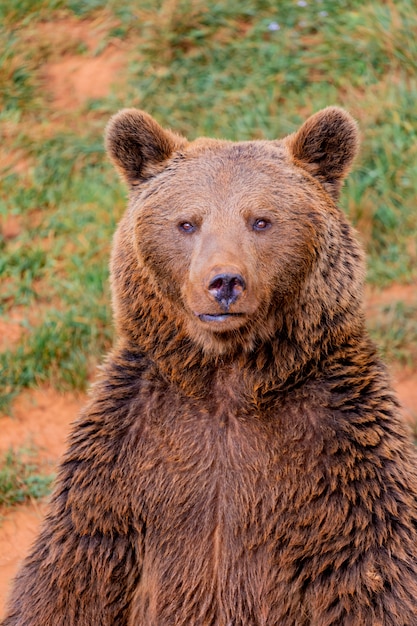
[[242, 461]]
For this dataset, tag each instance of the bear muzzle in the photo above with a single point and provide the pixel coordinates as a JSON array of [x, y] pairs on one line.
[[219, 293], [225, 289]]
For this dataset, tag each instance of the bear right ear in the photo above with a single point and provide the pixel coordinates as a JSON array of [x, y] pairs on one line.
[[325, 146], [138, 145]]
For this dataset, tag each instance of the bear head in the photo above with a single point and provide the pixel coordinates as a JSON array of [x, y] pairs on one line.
[[227, 246]]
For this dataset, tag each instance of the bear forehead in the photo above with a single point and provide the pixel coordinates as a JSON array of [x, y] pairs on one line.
[[212, 168], [217, 153]]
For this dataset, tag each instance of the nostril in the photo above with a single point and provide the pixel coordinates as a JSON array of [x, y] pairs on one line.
[[216, 283], [237, 283]]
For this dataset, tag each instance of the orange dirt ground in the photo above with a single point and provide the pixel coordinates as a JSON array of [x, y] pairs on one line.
[[41, 418]]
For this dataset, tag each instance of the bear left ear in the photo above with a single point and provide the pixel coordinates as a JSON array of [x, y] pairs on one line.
[[325, 146], [138, 145]]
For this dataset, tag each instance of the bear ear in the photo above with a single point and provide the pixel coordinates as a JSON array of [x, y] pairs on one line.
[[325, 146], [138, 145]]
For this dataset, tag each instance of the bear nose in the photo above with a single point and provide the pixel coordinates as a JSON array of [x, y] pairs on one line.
[[226, 288]]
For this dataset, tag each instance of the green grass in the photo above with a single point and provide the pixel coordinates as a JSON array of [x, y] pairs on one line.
[[20, 480], [395, 331], [241, 69]]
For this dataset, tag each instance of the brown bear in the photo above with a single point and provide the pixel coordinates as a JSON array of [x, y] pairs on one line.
[[242, 461]]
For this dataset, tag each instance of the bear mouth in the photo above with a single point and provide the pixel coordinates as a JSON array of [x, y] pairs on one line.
[[218, 317]]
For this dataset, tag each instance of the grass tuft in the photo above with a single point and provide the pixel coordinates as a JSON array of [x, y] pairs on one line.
[[21, 480], [395, 331]]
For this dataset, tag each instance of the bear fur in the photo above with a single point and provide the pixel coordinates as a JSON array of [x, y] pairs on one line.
[[242, 460]]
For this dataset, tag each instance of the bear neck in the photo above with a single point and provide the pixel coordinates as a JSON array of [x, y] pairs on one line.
[[147, 329]]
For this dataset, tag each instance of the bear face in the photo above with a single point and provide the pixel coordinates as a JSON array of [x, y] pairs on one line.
[[235, 236], [223, 238]]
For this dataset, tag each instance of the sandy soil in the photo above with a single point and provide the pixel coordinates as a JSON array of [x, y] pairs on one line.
[[74, 78], [40, 419], [405, 379]]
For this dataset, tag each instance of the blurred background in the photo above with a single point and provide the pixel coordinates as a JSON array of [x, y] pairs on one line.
[[237, 69]]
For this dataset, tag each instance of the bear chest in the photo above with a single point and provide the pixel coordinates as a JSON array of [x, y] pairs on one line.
[[214, 489], [213, 461]]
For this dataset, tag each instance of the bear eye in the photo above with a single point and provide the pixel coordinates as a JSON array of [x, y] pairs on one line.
[[186, 227], [261, 224]]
